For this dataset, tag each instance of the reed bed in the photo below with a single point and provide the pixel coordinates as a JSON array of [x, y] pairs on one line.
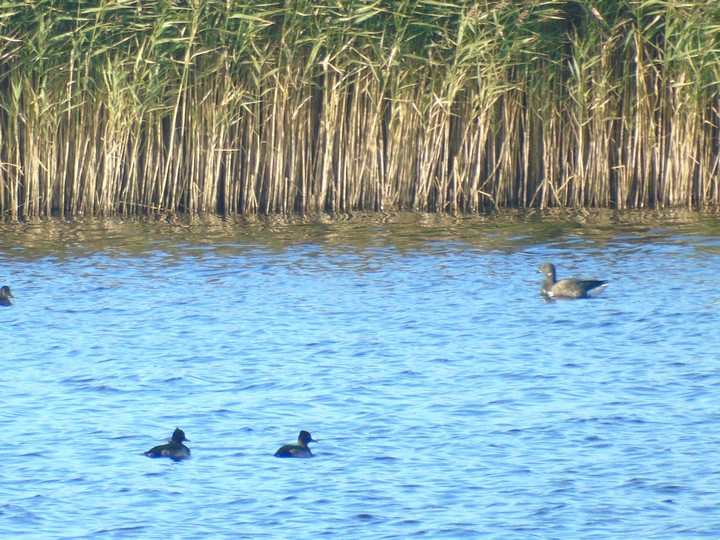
[[126, 107]]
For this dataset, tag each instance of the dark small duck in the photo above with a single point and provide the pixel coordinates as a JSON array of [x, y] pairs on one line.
[[299, 450], [175, 449], [571, 287], [5, 296]]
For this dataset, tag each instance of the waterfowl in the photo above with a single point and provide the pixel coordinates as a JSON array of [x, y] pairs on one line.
[[299, 450], [5, 296], [571, 287], [175, 449]]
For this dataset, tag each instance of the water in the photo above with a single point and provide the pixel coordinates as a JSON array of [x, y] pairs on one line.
[[449, 400]]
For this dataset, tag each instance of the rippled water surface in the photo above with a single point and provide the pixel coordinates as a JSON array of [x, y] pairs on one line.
[[449, 399]]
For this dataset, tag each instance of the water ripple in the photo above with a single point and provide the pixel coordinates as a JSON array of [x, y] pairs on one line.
[[448, 400]]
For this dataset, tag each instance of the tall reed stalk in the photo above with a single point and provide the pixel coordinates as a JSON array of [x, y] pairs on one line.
[[302, 106]]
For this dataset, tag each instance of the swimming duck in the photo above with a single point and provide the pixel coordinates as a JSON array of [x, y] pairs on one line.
[[569, 288], [175, 449], [5, 296], [299, 450]]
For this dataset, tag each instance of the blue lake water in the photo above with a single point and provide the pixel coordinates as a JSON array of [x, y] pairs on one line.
[[448, 398]]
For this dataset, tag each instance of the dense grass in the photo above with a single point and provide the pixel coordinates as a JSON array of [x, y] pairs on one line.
[[207, 106]]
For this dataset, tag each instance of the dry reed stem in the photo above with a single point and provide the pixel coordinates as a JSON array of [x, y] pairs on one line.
[[234, 108]]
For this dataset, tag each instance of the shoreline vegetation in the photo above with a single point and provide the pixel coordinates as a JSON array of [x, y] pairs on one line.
[[131, 108]]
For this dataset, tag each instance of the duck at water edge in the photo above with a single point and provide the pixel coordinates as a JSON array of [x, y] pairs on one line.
[[5, 296]]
